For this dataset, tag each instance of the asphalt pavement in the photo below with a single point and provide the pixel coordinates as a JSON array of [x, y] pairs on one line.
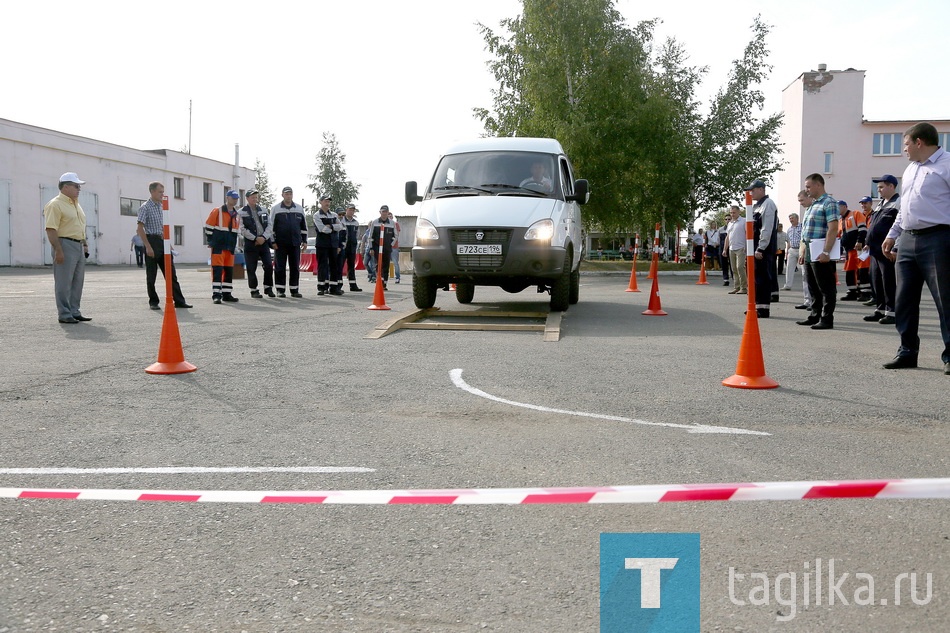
[[291, 388]]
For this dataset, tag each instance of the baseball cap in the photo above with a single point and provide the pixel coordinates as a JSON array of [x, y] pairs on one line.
[[286, 190], [865, 199], [70, 176], [326, 196], [756, 184], [385, 207], [234, 194], [252, 192], [351, 206], [842, 203], [339, 211], [885, 178]]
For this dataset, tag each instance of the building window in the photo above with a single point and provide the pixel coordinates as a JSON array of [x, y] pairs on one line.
[[829, 162], [180, 188], [179, 235], [207, 192], [130, 206], [888, 144], [943, 139], [224, 198]]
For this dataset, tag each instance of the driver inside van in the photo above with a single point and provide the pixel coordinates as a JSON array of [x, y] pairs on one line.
[[537, 178]]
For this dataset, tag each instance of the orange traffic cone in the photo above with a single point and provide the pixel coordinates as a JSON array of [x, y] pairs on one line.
[[654, 309], [702, 273], [654, 264], [379, 298], [750, 368], [171, 357], [632, 287]]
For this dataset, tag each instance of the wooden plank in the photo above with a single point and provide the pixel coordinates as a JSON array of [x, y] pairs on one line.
[[475, 327], [398, 322], [552, 327]]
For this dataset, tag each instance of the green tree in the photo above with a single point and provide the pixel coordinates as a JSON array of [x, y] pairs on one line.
[[626, 111], [268, 198], [331, 174]]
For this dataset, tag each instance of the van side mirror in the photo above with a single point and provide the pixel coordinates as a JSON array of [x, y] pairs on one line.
[[412, 195], [581, 192]]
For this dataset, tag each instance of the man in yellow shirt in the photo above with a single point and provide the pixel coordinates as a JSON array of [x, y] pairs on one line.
[[66, 230]]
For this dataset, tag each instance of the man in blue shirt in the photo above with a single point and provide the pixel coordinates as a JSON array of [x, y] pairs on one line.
[[819, 232]]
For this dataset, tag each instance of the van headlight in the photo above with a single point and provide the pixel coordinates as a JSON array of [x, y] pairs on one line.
[[425, 230], [540, 230]]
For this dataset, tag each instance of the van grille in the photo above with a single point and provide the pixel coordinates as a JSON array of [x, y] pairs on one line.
[[480, 262]]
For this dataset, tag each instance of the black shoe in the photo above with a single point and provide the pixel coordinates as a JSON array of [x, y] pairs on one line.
[[725, 283], [270, 293], [877, 316], [320, 293], [865, 297], [216, 299], [183, 305], [851, 296], [281, 295], [901, 362], [355, 288], [154, 306], [762, 313], [69, 320], [229, 299], [296, 295], [803, 306], [336, 291], [887, 320], [82, 318], [870, 302], [256, 294], [808, 321], [774, 298], [946, 369], [823, 325]]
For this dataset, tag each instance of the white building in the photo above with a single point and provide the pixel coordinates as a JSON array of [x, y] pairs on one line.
[[117, 177], [825, 132]]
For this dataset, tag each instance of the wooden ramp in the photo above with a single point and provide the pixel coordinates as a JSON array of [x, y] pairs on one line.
[[480, 320]]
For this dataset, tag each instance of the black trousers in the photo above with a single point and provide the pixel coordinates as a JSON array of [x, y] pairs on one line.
[[327, 270], [384, 273], [287, 255], [153, 265], [261, 254], [821, 283], [351, 263], [766, 281], [922, 259], [884, 284]]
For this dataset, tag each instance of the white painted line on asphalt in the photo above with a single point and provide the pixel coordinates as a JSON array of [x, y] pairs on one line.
[[182, 470], [456, 375]]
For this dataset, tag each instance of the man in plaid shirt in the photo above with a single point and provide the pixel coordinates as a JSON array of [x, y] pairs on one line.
[[819, 232]]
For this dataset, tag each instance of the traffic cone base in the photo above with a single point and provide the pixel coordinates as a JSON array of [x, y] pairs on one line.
[[632, 287], [379, 297], [750, 367], [171, 357], [702, 274], [654, 309]]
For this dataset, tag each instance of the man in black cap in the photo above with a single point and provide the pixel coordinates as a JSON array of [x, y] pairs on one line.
[[328, 228], [290, 236], [258, 237], [765, 218], [883, 276], [382, 225]]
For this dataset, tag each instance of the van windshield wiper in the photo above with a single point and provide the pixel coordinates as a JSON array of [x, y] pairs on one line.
[[460, 187], [504, 185]]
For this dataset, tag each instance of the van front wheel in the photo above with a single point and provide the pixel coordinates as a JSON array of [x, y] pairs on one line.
[[423, 292], [561, 289], [464, 293]]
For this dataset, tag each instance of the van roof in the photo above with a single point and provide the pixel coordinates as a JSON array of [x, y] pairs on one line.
[[509, 143]]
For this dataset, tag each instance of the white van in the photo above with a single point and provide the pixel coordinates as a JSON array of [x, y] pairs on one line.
[[499, 212]]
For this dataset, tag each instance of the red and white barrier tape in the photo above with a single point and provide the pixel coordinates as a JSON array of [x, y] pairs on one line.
[[768, 491]]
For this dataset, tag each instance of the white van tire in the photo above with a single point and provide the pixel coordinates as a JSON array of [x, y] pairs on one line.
[[561, 289], [423, 292], [464, 293]]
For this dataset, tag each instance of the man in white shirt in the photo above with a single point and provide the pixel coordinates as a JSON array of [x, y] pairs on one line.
[[735, 244]]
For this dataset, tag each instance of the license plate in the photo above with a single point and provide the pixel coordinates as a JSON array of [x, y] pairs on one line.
[[478, 249]]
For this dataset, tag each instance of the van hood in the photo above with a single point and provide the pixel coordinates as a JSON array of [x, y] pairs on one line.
[[515, 211]]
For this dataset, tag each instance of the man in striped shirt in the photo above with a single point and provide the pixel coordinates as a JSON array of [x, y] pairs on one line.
[[151, 229]]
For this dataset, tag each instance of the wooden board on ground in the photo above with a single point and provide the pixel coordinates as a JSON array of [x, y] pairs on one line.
[[475, 320]]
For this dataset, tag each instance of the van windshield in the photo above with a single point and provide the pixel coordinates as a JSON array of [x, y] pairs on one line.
[[496, 173]]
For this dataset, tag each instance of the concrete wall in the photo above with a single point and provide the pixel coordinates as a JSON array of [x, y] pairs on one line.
[[32, 159]]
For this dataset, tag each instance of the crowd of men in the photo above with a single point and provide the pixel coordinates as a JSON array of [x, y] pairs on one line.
[[890, 250]]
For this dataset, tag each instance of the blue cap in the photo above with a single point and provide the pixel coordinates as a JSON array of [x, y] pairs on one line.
[[842, 203], [865, 199], [886, 178], [234, 194], [756, 184]]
